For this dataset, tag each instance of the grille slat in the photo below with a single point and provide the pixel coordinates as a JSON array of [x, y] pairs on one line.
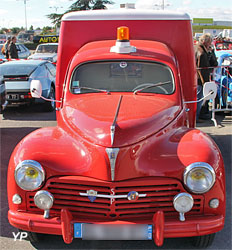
[[159, 196]]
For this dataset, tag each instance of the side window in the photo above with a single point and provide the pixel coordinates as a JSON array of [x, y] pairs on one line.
[[22, 48], [51, 68], [40, 73], [18, 47]]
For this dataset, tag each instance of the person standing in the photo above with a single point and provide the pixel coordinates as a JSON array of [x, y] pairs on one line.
[[205, 58], [13, 52], [5, 48]]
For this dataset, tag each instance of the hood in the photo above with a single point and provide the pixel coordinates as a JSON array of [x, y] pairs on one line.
[[44, 56], [117, 121]]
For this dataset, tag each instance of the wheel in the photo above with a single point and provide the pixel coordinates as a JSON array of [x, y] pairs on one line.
[[50, 105], [203, 241], [32, 237]]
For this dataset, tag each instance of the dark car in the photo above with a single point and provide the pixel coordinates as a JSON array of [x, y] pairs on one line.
[[17, 76]]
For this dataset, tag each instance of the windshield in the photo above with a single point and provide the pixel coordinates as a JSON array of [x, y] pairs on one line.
[[123, 76], [47, 48], [16, 70]]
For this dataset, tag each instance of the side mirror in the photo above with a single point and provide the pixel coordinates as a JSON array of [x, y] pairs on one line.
[[36, 89], [209, 90]]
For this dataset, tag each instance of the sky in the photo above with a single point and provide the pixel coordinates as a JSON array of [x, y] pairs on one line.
[[12, 12]]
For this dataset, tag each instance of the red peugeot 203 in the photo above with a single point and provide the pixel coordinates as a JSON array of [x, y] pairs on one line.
[[125, 160]]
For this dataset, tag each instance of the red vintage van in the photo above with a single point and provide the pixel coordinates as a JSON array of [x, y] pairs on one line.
[[125, 161]]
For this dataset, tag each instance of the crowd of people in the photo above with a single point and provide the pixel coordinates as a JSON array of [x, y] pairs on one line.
[[205, 59], [9, 49]]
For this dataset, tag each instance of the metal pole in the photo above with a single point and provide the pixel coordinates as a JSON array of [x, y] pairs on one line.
[[25, 1], [25, 11]]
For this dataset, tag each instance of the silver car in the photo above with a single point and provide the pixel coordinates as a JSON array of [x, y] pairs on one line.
[[17, 76], [46, 51]]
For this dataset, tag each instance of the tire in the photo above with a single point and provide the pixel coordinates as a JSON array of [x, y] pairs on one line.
[[203, 241], [33, 237], [50, 106]]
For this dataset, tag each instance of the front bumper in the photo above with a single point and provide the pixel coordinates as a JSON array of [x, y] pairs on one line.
[[170, 228]]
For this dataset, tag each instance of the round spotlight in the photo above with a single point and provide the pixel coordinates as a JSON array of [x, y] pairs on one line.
[[43, 200], [183, 203]]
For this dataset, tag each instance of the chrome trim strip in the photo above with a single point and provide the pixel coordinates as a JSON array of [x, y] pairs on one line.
[[112, 127], [111, 196]]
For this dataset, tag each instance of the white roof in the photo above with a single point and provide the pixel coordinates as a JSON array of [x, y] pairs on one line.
[[124, 14]]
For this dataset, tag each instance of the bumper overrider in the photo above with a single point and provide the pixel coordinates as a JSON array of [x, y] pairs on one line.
[[170, 228]]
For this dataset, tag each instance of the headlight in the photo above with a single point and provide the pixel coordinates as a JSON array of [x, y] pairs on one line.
[[199, 177], [29, 175]]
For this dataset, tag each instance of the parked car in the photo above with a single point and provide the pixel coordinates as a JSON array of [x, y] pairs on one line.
[[2, 95], [3, 38], [223, 77], [46, 51], [2, 57], [23, 51], [222, 45], [17, 76]]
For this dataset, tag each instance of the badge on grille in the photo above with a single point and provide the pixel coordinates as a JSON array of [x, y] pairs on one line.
[[92, 195], [132, 196]]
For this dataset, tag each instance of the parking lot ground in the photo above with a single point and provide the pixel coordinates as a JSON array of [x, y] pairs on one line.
[[19, 122]]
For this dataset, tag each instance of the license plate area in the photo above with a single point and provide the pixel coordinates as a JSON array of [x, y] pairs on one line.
[[12, 97], [112, 232]]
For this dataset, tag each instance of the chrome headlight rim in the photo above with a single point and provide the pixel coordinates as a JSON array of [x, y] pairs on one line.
[[199, 165], [34, 164]]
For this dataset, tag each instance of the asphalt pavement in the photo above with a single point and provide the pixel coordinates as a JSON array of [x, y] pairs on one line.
[[17, 123]]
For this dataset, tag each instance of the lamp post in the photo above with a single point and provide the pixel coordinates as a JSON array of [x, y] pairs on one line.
[[162, 5], [56, 7], [25, 10]]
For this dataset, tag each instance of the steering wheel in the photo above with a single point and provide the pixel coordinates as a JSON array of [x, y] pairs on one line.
[[143, 85]]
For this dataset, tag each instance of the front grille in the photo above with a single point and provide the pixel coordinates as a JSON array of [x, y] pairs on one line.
[[68, 193]]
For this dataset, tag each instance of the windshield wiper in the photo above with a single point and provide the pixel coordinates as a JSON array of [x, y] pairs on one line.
[[144, 86], [88, 88]]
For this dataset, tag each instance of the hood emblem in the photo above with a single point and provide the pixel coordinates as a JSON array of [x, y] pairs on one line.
[[112, 155]]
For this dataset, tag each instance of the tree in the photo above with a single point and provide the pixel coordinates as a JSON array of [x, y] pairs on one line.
[[46, 30], [89, 5], [31, 28], [15, 30], [55, 18], [78, 6]]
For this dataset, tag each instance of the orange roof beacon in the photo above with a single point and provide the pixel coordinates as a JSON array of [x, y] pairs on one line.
[[125, 161]]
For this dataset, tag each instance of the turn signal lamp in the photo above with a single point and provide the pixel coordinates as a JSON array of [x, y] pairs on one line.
[[122, 45]]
